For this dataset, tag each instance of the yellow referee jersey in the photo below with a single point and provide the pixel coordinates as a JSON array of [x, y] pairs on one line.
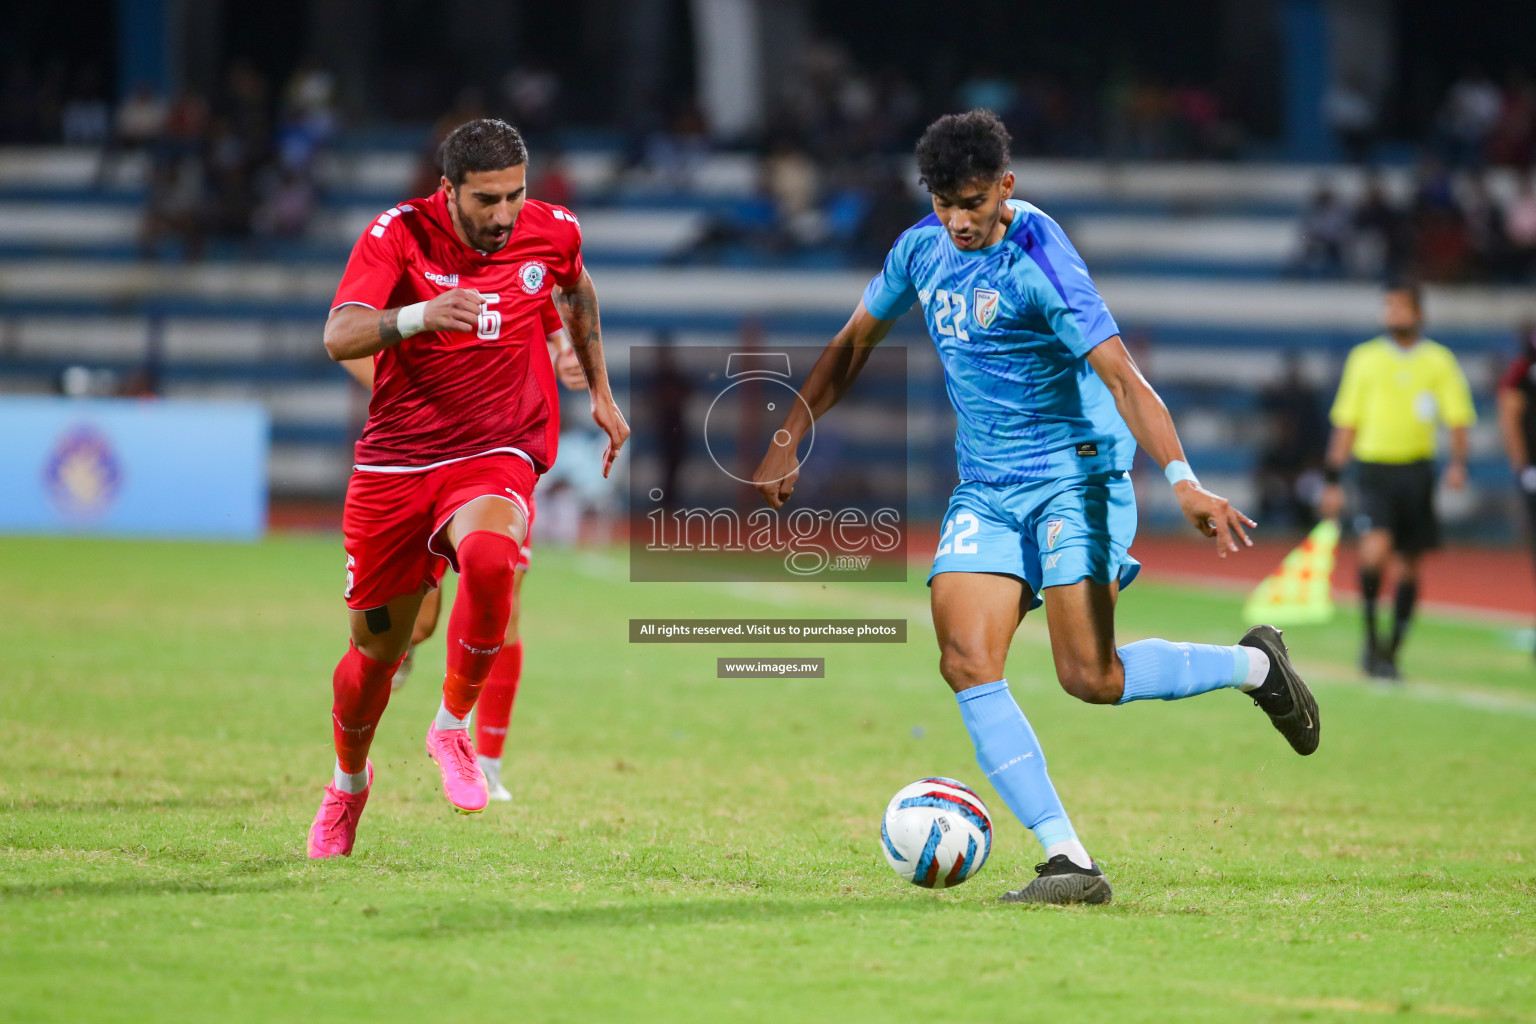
[[1394, 398]]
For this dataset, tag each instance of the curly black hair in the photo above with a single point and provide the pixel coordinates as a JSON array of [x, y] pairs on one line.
[[962, 149], [484, 144]]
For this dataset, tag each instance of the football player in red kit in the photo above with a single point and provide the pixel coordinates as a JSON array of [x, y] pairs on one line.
[[445, 293], [493, 711]]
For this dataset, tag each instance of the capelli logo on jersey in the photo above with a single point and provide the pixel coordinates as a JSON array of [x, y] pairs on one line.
[[442, 280], [984, 302]]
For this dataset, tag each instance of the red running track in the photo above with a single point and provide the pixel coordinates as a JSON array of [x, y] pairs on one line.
[[1474, 579]]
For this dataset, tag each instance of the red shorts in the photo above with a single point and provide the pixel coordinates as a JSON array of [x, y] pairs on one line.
[[392, 522]]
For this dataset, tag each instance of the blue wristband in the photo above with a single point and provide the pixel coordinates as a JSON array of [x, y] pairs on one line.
[[1178, 470]]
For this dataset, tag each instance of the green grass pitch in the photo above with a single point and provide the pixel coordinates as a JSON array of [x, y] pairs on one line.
[[684, 848]]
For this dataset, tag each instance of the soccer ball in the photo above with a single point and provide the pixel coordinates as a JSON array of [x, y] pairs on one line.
[[936, 833]]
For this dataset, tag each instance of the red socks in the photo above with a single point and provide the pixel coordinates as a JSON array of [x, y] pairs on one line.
[[478, 625], [360, 688], [494, 712]]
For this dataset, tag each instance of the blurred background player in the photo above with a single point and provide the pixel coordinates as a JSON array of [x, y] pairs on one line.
[[493, 711], [1517, 420], [1397, 389], [447, 293], [1050, 408]]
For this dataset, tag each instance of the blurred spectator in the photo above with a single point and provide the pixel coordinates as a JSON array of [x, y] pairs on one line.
[[246, 107], [1513, 141], [671, 156], [987, 89], [1468, 117], [1325, 229], [1379, 243], [1350, 112], [135, 128], [1442, 249], [232, 194], [467, 106], [176, 208], [552, 179], [1442, 245], [1484, 224], [139, 118], [288, 206], [1433, 187], [532, 96], [1295, 441], [308, 120], [792, 180], [1520, 228], [87, 117], [669, 390]]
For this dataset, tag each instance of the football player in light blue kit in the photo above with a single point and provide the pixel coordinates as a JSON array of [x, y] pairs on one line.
[[1050, 409]]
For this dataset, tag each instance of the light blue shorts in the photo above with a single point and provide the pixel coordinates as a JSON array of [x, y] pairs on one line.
[[1048, 533]]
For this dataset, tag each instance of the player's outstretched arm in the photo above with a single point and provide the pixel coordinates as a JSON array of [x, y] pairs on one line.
[[586, 338], [829, 380], [1147, 416], [353, 331]]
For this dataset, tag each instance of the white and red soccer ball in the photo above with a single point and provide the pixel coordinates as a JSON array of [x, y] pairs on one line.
[[936, 833]]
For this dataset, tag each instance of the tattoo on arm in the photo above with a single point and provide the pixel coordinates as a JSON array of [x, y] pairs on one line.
[[389, 333], [583, 314], [585, 334]]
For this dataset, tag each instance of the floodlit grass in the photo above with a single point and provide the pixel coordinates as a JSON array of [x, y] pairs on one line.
[[684, 848]]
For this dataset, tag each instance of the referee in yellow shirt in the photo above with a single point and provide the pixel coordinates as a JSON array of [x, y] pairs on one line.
[[1396, 391]]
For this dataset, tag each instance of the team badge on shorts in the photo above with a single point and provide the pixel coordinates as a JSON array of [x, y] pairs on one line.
[[531, 276], [984, 306], [1052, 531]]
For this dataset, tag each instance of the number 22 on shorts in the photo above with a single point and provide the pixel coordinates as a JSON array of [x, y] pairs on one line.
[[966, 524]]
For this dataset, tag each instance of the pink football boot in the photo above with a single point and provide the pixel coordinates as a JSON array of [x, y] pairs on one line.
[[463, 781], [335, 827]]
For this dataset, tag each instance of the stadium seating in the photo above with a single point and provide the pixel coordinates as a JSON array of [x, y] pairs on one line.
[[1190, 258]]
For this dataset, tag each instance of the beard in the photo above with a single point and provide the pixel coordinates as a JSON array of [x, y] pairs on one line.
[[482, 239]]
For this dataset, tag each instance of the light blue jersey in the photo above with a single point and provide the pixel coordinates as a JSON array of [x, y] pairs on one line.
[[1013, 324]]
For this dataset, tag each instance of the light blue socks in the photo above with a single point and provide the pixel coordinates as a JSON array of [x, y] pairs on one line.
[[1010, 756], [1163, 670]]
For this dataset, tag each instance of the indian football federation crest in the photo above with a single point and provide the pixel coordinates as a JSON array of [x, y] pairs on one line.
[[1052, 531], [984, 303], [83, 474], [531, 276]]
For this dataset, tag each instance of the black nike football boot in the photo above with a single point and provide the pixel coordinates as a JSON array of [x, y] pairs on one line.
[[1284, 697]]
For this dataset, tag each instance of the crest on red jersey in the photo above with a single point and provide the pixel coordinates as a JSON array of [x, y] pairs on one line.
[[531, 276]]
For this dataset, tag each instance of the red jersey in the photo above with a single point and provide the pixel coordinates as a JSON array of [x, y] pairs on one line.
[[1520, 376], [440, 396]]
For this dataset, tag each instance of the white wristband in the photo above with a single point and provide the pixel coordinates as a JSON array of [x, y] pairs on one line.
[[1178, 470], [411, 319]]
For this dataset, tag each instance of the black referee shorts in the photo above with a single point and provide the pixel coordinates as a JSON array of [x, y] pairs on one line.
[[1399, 497]]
